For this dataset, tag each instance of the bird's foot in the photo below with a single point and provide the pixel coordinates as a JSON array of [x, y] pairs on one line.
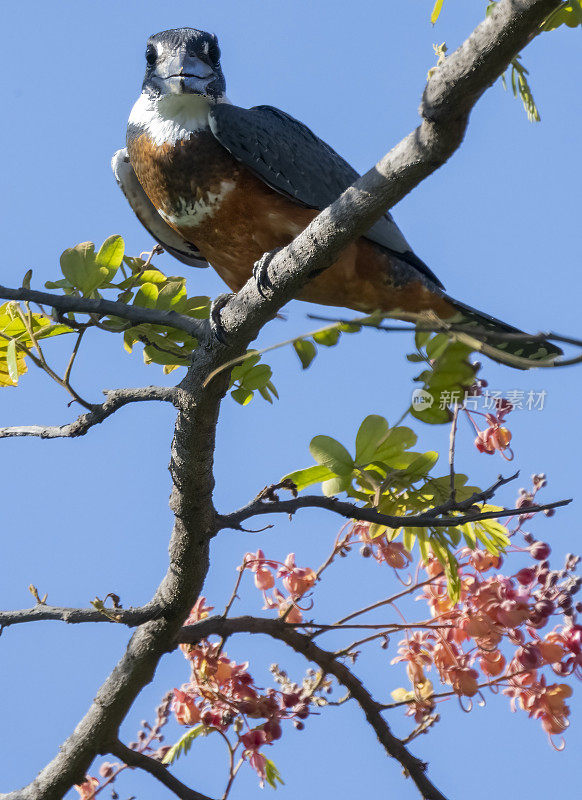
[[261, 271], [216, 326]]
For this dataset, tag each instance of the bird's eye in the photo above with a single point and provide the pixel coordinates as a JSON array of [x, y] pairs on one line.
[[151, 55]]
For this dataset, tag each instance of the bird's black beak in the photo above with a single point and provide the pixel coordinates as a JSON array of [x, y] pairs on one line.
[[178, 72], [181, 73]]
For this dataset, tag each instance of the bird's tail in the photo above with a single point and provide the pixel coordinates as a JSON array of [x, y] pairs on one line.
[[515, 352]]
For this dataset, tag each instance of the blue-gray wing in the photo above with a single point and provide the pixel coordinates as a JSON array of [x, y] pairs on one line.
[[291, 159], [147, 214]]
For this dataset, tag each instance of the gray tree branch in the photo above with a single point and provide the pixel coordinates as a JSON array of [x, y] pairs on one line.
[[116, 399], [352, 511], [41, 612], [450, 95], [331, 665], [64, 303], [155, 768]]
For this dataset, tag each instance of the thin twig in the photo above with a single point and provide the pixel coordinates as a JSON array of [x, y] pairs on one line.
[[438, 326], [67, 374], [454, 421], [388, 600], [440, 695], [234, 594], [134, 759], [116, 399]]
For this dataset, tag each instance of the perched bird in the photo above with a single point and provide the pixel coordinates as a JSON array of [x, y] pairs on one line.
[[217, 184]]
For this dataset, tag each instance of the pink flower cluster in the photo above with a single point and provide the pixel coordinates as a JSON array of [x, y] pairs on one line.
[[222, 695], [297, 581], [496, 437], [465, 648], [383, 551]]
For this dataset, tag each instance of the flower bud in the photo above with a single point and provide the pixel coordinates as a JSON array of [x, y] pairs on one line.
[[516, 636], [290, 699], [273, 730], [525, 576], [540, 550], [529, 656], [545, 607]]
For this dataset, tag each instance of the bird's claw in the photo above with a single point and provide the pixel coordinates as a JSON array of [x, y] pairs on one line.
[[261, 271], [216, 326]]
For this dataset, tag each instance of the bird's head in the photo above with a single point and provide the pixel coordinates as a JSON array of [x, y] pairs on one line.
[[183, 61]]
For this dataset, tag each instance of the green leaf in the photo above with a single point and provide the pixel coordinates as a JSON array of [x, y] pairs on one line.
[[336, 485], [79, 267], [147, 296], [171, 293], [439, 550], [331, 454], [62, 284], [135, 264], [110, 257], [306, 351], [271, 387], [327, 338], [469, 535], [486, 541], [241, 369], [569, 14], [265, 394], [423, 543], [11, 361], [184, 743], [242, 396], [87, 270], [421, 338], [454, 535], [437, 346], [398, 440], [47, 331], [302, 478], [349, 327], [371, 434], [433, 415], [495, 530], [272, 774], [436, 10], [197, 307], [420, 467], [408, 538], [152, 276], [375, 530], [257, 377]]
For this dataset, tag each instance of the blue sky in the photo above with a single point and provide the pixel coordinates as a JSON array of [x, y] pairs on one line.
[[498, 224]]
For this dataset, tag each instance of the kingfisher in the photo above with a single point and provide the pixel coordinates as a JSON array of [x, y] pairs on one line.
[[221, 185]]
